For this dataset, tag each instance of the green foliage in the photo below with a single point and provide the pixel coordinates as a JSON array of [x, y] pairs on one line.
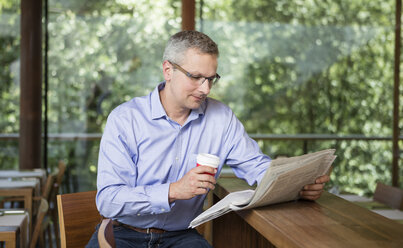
[[311, 67], [11, 6], [288, 67], [101, 54], [9, 80]]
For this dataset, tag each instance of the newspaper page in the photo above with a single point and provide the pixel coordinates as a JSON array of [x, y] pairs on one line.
[[282, 182], [229, 203], [289, 178]]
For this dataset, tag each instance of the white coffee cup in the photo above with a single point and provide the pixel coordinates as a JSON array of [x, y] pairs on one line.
[[207, 160]]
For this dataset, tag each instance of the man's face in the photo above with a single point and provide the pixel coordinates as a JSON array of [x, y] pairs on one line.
[[185, 92]]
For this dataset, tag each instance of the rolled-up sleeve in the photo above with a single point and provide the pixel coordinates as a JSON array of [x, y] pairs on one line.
[[244, 155]]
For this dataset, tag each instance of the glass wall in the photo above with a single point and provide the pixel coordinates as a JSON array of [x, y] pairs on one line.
[[311, 67], [101, 53], [288, 68], [9, 82]]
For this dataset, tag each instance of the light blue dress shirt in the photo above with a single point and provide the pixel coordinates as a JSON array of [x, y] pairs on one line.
[[142, 151]]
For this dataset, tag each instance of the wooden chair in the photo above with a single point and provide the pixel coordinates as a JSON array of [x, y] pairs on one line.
[[389, 195], [46, 194], [40, 215], [53, 201], [49, 193], [45, 226], [78, 217], [105, 234]]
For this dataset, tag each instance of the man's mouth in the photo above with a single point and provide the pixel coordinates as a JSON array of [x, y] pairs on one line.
[[199, 98]]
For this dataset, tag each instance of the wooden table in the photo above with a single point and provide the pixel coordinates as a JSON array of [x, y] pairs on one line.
[[329, 222], [40, 174], [14, 229], [25, 189]]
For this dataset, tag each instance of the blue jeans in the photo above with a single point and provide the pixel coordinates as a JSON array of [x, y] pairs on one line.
[[126, 237]]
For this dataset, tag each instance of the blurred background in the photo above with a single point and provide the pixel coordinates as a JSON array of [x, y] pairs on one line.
[[301, 75]]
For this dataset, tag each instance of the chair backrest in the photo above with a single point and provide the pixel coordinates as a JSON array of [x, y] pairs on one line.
[[78, 216], [40, 215], [60, 174], [105, 234], [389, 195], [58, 178], [47, 190]]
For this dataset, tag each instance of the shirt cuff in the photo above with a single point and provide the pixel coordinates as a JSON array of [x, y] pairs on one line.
[[260, 176], [159, 198]]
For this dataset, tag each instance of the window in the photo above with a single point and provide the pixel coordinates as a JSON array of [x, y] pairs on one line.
[[9, 82], [310, 68], [101, 54]]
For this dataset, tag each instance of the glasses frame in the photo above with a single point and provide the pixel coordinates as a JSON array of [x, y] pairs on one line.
[[211, 80]]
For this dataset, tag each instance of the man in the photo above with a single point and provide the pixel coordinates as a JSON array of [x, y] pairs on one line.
[[148, 182]]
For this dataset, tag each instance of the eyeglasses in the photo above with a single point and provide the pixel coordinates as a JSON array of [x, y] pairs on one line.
[[197, 80]]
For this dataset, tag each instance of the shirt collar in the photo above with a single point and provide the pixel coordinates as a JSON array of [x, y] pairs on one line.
[[158, 111]]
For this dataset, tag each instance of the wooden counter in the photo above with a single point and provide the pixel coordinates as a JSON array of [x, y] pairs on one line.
[[328, 222]]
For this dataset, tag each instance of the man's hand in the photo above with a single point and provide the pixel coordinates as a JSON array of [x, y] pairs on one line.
[[314, 191], [195, 182]]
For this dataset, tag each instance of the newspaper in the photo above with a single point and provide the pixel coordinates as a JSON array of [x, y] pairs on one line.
[[282, 182]]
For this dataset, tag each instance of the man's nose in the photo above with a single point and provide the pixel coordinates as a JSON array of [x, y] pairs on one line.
[[205, 86]]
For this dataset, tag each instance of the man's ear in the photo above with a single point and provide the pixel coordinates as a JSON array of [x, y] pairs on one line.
[[167, 70]]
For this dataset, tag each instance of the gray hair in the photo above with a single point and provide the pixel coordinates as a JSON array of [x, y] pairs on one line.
[[180, 42]]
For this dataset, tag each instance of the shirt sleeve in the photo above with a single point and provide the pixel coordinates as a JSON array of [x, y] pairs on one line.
[[244, 155], [118, 193]]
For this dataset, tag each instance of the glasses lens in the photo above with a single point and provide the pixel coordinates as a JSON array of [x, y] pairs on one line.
[[216, 78], [211, 81], [198, 80]]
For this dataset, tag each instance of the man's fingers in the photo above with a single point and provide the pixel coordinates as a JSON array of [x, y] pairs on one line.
[[314, 191], [205, 169], [195, 182], [206, 185], [322, 179], [204, 174], [316, 186], [207, 178], [201, 191], [311, 197], [310, 192]]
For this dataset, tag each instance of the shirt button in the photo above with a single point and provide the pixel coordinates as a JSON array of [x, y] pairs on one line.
[[138, 214], [176, 158], [162, 209]]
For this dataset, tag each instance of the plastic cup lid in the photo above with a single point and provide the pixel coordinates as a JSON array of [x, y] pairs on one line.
[[208, 159]]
